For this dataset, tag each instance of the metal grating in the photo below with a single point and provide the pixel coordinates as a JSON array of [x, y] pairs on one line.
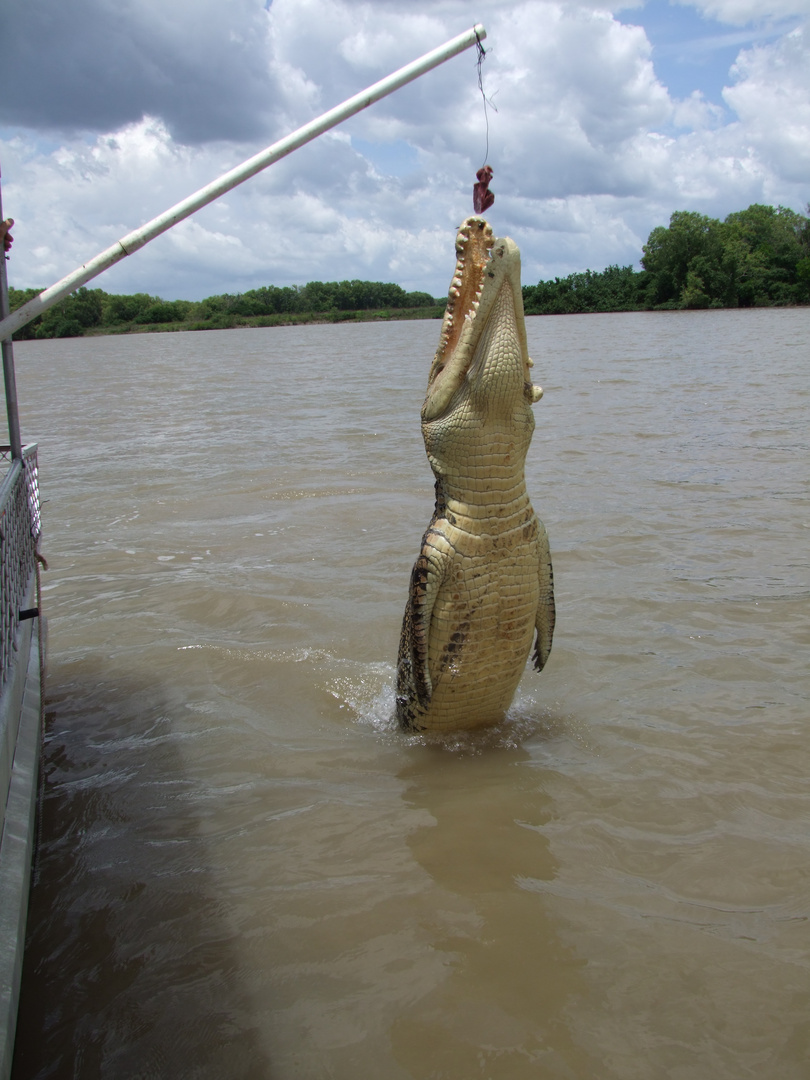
[[20, 529]]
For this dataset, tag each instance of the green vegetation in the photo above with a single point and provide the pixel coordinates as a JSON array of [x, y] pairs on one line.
[[759, 257], [619, 288], [93, 311]]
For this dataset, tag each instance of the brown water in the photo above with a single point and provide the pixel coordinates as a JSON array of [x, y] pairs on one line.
[[245, 870]]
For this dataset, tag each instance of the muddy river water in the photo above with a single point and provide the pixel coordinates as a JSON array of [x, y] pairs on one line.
[[246, 871]]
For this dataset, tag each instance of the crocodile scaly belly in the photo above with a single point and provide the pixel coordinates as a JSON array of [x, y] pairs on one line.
[[480, 637], [481, 625]]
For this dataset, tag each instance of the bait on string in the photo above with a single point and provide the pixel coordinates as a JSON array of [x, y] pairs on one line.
[[483, 198]]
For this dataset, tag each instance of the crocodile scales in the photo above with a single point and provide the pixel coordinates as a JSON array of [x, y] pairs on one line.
[[482, 585]]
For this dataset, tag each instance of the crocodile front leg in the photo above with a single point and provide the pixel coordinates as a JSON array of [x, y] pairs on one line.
[[414, 687], [546, 612]]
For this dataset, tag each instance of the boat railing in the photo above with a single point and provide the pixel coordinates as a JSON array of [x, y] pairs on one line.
[[20, 718], [20, 529]]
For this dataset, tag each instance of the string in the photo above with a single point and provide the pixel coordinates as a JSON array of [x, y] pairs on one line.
[[482, 52]]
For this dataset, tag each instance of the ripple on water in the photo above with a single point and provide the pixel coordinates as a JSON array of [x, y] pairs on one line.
[[246, 869]]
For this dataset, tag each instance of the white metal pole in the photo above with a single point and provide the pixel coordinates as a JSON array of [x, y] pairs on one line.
[[138, 237]]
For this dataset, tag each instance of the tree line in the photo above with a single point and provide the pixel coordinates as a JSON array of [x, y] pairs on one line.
[[94, 310], [759, 257]]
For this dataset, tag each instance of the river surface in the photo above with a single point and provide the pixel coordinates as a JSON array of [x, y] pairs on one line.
[[246, 871]]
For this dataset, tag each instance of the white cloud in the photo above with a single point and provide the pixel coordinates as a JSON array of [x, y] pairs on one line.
[[742, 12], [772, 99], [696, 114], [590, 151]]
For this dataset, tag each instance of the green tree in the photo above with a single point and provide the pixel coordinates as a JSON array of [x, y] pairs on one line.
[[164, 311], [124, 309], [753, 257], [692, 244], [617, 288], [16, 299], [78, 312], [214, 307], [419, 299], [767, 247], [317, 296]]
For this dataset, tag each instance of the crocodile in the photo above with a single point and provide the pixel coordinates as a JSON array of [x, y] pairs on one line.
[[482, 586]]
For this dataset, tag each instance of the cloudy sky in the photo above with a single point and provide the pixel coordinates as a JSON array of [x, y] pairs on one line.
[[607, 117]]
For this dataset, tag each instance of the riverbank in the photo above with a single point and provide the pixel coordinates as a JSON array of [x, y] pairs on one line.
[[90, 312], [233, 322]]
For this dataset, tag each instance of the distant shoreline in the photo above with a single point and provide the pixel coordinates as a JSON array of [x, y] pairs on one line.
[[755, 258], [326, 318], [264, 321], [321, 318]]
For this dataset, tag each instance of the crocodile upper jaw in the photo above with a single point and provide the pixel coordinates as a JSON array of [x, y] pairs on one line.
[[482, 351]]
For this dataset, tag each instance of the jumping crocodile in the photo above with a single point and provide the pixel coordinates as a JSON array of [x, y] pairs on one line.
[[482, 584]]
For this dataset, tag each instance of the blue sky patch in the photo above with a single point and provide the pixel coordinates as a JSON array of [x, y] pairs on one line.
[[396, 158], [694, 52]]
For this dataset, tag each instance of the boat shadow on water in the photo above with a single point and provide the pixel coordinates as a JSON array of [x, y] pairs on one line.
[[129, 967]]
